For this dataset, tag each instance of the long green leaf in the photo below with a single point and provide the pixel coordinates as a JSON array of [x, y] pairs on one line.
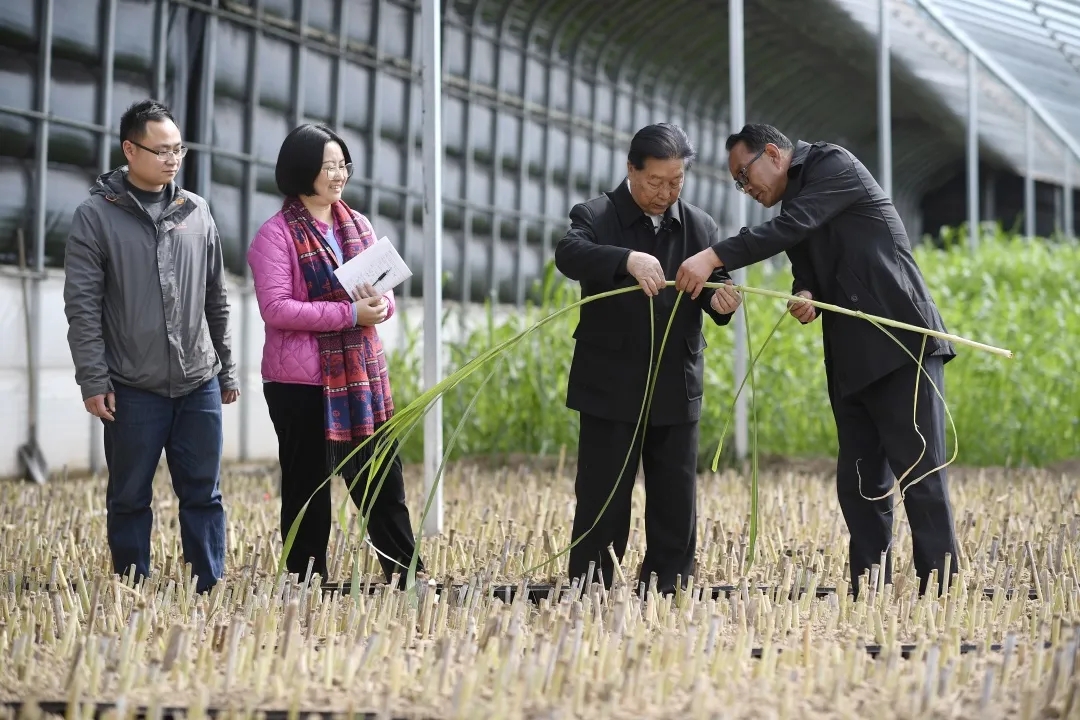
[[412, 414], [406, 420], [642, 425], [731, 409], [753, 445]]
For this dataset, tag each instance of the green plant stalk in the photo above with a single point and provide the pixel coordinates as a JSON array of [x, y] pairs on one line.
[[731, 408], [651, 378], [401, 430], [753, 445], [642, 424], [948, 413], [872, 318], [365, 515], [920, 370], [914, 417], [392, 425], [897, 486], [643, 414], [411, 575], [413, 413], [290, 537], [1008, 293]]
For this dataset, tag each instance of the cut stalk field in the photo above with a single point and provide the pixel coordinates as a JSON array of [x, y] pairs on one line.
[[766, 628], [785, 640]]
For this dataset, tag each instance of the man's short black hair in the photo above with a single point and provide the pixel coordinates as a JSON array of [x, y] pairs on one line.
[[662, 141], [300, 158], [133, 121], [756, 136]]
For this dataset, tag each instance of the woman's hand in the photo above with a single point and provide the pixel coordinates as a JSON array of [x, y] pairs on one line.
[[365, 291], [371, 310]]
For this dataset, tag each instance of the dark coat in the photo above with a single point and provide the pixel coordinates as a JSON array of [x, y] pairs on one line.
[[610, 367], [848, 247]]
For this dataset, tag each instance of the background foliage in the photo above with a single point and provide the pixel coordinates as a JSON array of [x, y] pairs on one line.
[[1010, 293]]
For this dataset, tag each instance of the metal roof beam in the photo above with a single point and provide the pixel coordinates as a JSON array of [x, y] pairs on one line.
[[1061, 8], [994, 10], [1007, 25], [1052, 77], [1069, 31], [1002, 74]]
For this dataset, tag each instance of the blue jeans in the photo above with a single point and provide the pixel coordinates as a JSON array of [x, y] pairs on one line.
[[188, 429]]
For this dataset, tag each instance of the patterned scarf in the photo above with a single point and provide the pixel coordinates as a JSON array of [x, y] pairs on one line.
[[356, 384]]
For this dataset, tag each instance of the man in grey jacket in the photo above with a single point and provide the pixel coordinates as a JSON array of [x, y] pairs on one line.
[[145, 300]]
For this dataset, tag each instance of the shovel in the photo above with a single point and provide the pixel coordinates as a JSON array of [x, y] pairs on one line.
[[30, 455]]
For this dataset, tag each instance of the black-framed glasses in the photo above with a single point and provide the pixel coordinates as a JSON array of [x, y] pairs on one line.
[[338, 170], [163, 155], [742, 180]]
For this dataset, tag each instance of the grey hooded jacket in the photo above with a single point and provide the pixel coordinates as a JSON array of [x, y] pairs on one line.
[[146, 301]]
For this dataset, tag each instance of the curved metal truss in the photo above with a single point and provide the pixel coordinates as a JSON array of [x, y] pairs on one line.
[[541, 98]]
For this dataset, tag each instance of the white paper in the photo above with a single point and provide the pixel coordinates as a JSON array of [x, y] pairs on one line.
[[379, 265]]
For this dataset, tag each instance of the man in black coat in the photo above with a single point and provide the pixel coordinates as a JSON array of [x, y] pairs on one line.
[[848, 247], [639, 233]]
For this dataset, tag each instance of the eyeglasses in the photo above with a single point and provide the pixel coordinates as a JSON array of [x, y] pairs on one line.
[[741, 182], [338, 171], [163, 155]]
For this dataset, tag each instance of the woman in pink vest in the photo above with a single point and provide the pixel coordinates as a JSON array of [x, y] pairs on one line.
[[324, 371]]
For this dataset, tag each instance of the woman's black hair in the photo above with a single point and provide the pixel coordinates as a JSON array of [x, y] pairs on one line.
[[300, 158]]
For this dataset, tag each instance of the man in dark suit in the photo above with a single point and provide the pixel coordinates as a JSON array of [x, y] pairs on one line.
[[848, 247], [639, 233]]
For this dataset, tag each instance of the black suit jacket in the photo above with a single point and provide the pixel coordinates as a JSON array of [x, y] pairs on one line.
[[610, 368], [848, 247]]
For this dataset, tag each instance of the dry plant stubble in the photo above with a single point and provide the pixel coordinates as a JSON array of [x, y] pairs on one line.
[[70, 632], [67, 630]]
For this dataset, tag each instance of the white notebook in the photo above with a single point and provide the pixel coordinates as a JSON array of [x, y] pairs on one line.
[[379, 265]]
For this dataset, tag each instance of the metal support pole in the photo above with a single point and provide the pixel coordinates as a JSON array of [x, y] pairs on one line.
[[973, 151], [1058, 212], [339, 67], [245, 297], [160, 58], [205, 110], [408, 150], [44, 90], [884, 101], [374, 124], [1029, 173], [738, 118], [104, 165], [431, 71], [299, 64], [1067, 197]]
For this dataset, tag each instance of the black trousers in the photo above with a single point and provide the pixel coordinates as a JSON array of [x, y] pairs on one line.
[[297, 413], [668, 458], [877, 433]]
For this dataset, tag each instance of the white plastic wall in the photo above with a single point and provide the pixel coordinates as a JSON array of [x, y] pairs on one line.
[[64, 432]]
